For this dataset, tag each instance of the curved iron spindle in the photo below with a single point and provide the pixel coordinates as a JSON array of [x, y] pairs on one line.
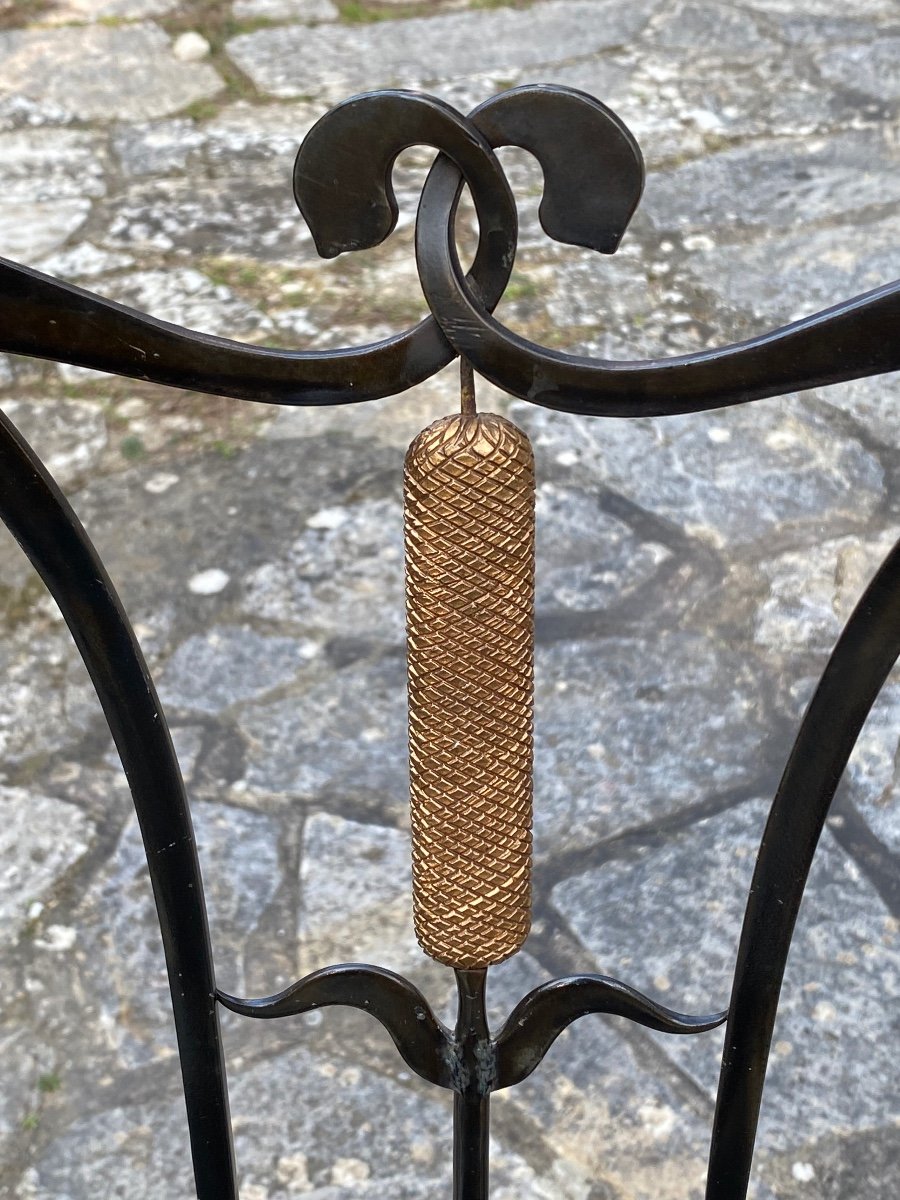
[[43, 523], [861, 662]]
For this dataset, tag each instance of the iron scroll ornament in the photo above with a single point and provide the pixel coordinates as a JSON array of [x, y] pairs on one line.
[[343, 188]]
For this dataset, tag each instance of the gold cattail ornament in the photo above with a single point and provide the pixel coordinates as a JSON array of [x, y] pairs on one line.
[[469, 534]]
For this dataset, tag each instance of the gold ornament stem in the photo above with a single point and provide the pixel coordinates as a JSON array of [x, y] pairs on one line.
[[466, 388], [469, 527]]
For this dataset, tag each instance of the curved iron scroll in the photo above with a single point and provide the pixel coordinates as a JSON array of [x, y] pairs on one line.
[[435, 1054], [850, 340], [401, 1008], [342, 186], [537, 1021], [42, 317]]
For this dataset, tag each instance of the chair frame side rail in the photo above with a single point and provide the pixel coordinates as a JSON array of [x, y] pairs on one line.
[[348, 202]]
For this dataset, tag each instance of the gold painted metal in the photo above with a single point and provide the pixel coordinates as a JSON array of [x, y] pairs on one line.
[[469, 527]]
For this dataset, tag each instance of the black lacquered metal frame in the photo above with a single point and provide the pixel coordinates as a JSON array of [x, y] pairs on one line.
[[593, 178]]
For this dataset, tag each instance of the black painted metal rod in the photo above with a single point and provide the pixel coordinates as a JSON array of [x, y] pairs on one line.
[[861, 662], [421, 1039], [471, 1146], [538, 1020], [474, 1082], [342, 182], [593, 180], [848, 341], [42, 521]]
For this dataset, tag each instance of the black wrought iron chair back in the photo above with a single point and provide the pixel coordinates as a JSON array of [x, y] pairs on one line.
[[593, 181]]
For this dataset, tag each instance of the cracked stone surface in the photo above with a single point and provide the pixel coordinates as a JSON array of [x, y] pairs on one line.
[[427, 50], [69, 435], [608, 760], [285, 10], [132, 1146], [120, 966], [569, 1102], [226, 666], [677, 912], [57, 221], [140, 77], [65, 11], [692, 468], [313, 755], [693, 575], [42, 838], [813, 594], [774, 186]]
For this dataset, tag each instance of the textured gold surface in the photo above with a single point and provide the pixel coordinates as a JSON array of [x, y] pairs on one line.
[[469, 521]]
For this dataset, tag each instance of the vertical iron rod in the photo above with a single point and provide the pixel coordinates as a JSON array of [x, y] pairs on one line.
[[42, 521], [471, 1101], [466, 388], [859, 665], [471, 1140]]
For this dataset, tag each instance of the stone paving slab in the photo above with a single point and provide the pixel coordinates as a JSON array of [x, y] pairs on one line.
[[102, 73], [73, 11], [692, 576], [58, 836], [435, 49], [676, 912]]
